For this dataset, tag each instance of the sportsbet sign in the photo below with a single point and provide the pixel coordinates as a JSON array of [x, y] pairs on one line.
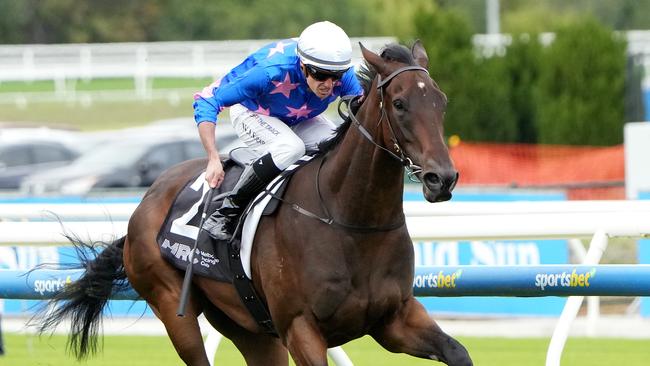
[[494, 253]]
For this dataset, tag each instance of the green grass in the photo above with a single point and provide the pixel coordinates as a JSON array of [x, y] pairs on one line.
[[98, 116], [102, 114], [17, 87], [172, 83], [103, 84], [23, 350]]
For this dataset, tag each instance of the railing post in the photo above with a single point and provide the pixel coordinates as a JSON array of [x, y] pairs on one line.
[[560, 334], [340, 358], [212, 344], [28, 63], [86, 63], [141, 85]]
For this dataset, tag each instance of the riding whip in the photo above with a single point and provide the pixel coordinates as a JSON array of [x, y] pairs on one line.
[[189, 271]]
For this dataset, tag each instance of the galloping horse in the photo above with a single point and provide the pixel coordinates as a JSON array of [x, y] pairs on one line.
[[324, 284]]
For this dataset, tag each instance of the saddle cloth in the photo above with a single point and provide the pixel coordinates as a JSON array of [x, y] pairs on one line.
[[181, 226]]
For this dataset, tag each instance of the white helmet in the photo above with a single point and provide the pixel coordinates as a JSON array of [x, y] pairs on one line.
[[326, 46]]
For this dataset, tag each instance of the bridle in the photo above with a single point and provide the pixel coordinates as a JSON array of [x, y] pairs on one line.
[[406, 161], [411, 168]]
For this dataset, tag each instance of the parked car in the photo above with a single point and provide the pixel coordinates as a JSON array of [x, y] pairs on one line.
[[131, 162], [20, 158]]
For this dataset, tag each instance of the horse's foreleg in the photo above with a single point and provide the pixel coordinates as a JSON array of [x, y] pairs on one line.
[[305, 343], [412, 331]]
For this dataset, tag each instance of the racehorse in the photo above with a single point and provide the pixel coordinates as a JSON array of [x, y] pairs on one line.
[[325, 282]]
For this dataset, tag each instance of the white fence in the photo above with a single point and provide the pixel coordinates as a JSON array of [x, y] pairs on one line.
[[440, 221], [67, 63], [446, 221]]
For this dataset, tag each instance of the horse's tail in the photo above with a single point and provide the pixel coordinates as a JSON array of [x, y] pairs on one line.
[[83, 300]]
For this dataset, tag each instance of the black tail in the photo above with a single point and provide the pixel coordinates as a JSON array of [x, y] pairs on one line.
[[83, 300]]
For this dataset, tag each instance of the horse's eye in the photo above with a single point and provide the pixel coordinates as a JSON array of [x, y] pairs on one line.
[[398, 105]]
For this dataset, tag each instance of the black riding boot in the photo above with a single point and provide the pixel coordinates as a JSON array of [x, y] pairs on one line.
[[221, 224]]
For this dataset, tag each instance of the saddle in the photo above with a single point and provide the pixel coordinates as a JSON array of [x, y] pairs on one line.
[[220, 261]]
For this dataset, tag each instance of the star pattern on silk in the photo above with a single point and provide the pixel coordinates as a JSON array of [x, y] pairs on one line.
[[279, 48], [284, 87], [261, 110], [299, 112]]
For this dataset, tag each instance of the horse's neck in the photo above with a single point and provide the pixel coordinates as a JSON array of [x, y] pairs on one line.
[[365, 182]]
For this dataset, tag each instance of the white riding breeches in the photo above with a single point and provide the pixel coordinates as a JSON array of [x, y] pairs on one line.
[[265, 134]]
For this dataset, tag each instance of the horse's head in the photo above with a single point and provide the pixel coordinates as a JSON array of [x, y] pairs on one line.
[[412, 108]]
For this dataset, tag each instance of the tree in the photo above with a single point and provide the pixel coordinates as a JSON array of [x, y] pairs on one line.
[[478, 88], [13, 16], [522, 68], [581, 88]]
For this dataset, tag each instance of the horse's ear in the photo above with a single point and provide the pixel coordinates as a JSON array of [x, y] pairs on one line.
[[420, 54], [373, 59]]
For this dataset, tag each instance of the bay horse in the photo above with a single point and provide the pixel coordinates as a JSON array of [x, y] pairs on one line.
[[324, 284]]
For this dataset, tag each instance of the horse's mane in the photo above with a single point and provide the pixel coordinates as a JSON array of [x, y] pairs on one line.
[[366, 74]]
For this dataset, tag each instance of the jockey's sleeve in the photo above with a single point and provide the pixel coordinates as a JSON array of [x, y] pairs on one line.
[[209, 103]]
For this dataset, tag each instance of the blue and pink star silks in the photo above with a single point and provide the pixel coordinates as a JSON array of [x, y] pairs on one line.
[[270, 82]]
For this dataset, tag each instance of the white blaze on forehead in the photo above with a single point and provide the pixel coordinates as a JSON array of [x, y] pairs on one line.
[[421, 85]]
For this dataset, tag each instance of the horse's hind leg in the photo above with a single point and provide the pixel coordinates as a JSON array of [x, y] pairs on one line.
[[412, 331], [160, 284], [184, 332], [257, 349]]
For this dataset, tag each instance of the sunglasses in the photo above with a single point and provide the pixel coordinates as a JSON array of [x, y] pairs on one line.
[[319, 74]]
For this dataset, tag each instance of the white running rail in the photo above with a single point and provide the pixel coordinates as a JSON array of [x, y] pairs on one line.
[[442, 222]]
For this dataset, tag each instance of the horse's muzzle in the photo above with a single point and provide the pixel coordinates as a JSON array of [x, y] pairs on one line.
[[438, 185]]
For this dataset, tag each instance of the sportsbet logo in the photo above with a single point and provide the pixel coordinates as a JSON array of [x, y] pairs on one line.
[[438, 280], [51, 285], [564, 279]]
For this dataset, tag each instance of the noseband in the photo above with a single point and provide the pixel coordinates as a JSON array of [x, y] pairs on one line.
[[405, 160]]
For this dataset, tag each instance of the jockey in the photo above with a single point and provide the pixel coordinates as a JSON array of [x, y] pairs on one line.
[[276, 99]]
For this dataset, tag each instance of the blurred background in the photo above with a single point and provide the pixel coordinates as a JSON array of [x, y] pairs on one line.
[[547, 102], [519, 74]]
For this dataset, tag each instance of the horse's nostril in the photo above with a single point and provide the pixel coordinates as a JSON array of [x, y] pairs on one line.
[[432, 179], [445, 181]]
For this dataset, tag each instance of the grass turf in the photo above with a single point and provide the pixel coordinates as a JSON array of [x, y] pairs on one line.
[[26, 350], [100, 116], [101, 84]]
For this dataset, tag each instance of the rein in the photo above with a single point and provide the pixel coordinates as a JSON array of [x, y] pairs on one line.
[[412, 169]]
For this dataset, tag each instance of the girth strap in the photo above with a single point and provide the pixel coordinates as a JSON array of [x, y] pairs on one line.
[[244, 286]]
